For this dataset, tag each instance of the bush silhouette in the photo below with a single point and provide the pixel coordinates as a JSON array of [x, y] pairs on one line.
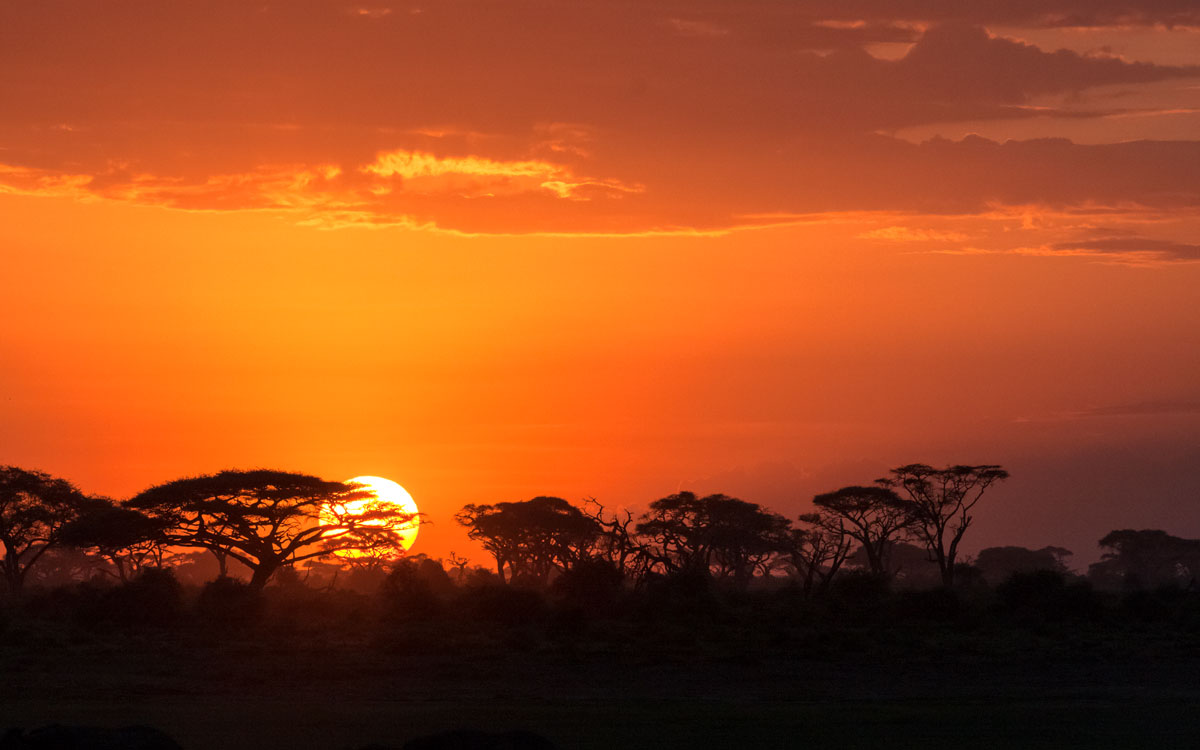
[[687, 591], [154, 598], [937, 604], [505, 605], [1046, 595], [415, 589], [859, 595], [592, 585], [1165, 604], [228, 602]]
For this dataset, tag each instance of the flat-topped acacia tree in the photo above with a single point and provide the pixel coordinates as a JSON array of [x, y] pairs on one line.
[[34, 509], [531, 538], [267, 519], [713, 535], [940, 502], [872, 516]]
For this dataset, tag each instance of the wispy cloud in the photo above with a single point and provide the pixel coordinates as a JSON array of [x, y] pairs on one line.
[[1164, 407], [1137, 247], [912, 234]]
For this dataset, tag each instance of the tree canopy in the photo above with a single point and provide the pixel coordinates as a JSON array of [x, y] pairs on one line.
[[714, 534], [940, 504], [1147, 558], [129, 539], [34, 509], [998, 563], [872, 516], [533, 537], [267, 519]]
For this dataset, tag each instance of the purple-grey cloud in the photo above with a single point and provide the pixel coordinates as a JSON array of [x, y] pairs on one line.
[[1162, 249], [1165, 407]]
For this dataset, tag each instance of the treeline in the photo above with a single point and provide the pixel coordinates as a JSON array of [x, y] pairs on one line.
[[903, 531], [734, 541]]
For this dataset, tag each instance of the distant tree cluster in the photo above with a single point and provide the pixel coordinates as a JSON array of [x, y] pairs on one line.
[[734, 541]]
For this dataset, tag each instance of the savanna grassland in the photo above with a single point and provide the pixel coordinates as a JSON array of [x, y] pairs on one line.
[[717, 669]]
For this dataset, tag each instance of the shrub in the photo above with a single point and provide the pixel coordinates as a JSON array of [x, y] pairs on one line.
[[415, 589], [228, 602], [937, 604], [154, 598], [505, 605], [859, 595], [1046, 595], [591, 585]]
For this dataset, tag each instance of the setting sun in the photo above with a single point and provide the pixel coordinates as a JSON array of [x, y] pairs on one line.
[[391, 495]]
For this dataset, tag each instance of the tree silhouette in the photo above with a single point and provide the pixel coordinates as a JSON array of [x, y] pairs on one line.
[[996, 564], [266, 519], [618, 543], [1146, 559], [908, 565], [940, 503], [716, 534], [531, 538], [817, 554], [130, 540], [872, 516], [34, 509]]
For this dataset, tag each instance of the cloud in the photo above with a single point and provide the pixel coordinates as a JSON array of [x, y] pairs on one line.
[[1043, 13], [596, 116], [1164, 407], [1136, 247], [474, 194], [912, 234], [965, 63], [374, 13]]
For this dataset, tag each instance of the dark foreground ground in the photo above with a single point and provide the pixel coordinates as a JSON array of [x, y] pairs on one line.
[[821, 691]]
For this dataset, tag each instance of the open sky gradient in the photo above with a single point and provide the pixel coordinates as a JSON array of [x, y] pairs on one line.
[[610, 248]]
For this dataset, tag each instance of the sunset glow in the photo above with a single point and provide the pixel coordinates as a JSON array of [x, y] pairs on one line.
[[388, 494], [609, 249]]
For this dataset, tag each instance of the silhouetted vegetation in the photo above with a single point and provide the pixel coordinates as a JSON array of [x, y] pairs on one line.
[[35, 508], [864, 551], [875, 572], [268, 519]]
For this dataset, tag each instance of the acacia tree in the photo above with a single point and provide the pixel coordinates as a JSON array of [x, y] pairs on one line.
[[817, 553], [716, 534], [872, 516], [130, 540], [531, 538], [996, 564], [940, 503], [267, 519], [34, 509], [618, 543], [1146, 558]]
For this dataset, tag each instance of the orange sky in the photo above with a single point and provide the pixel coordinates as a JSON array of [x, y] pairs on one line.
[[494, 250]]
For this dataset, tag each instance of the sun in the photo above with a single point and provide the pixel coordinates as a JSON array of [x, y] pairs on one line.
[[387, 492]]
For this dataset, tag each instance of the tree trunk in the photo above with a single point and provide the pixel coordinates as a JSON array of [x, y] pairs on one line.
[[262, 574], [947, 573], [15, 581], [13, 574]]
